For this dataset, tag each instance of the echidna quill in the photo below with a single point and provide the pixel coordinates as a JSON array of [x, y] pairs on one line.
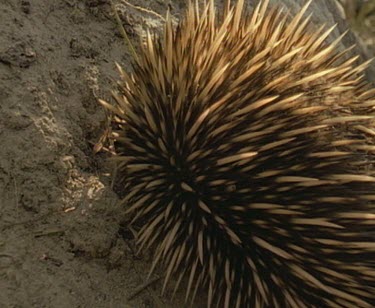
[[245, 147]]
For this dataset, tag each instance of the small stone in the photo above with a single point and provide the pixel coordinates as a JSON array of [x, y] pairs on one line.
[[25, 6]]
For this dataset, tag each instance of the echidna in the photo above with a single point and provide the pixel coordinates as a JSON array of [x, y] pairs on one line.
[[244, 144]]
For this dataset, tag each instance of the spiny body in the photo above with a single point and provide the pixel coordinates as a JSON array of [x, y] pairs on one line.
[[244, 146]]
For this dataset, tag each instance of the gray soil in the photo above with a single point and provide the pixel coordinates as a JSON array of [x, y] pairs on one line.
[[64, 238]]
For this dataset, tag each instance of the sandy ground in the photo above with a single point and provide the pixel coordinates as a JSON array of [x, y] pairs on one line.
[[64, 240]]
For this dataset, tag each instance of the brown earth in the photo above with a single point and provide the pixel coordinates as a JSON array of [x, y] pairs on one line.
[[64, 241]]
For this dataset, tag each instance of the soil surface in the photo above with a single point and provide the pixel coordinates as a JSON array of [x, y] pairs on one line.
[[64, 238]]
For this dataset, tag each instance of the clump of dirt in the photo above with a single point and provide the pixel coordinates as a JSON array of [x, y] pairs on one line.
[[64, 241]]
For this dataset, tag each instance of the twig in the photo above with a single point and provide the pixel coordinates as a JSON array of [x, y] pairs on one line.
[[49, 232], [142, 287], [143, 10], [19, 223], [15, 191], [123, 32]]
